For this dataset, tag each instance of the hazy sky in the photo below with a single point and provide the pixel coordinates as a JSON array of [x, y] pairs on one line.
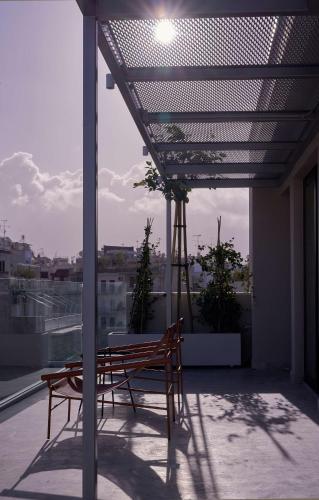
[[41, 144]]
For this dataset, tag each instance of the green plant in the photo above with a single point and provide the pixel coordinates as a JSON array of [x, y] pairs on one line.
[[244, 275], [176, 188], [141, 299], [217, 302], [25, 272]]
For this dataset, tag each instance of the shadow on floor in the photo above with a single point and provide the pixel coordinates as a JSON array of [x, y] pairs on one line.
[[117, 462]]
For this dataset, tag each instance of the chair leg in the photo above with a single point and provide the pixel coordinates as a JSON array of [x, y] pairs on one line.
[[111, 375], [180, 370], [172, 393], [178, 391], [103, 397], [168, 418], [69, 409], [131, 395], [49, 414]]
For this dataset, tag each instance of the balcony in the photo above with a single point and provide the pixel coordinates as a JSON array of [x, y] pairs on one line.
[[240, 82]]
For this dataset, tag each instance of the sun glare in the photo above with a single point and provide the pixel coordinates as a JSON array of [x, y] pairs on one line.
[[165, 31]]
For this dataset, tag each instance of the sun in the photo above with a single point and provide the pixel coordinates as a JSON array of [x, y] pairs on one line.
[[165, 31]]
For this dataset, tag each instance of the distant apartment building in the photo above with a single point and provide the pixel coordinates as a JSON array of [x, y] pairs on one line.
[[117, 263], [114, 250], [56, 269], [16, 259]]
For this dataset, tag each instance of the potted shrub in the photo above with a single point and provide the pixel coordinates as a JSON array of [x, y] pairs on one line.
[[217, 302], [141, 299], [218, 308]]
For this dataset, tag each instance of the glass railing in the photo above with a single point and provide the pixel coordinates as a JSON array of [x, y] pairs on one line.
[[41, 326], [41, 329]]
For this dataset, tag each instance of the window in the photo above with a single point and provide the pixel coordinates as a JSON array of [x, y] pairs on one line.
[[103, 286], [2, 266], [132, 282]]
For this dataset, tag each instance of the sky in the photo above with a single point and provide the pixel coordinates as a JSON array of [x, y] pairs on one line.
[[41, 145]]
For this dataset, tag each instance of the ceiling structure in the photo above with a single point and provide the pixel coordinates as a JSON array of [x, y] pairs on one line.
[[225, 93]]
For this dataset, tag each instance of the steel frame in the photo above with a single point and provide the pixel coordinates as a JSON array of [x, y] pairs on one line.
[[230, 183], [224, 168], [126, 78], [195, 73], [228, 116], [100, 11], [224, 146], [146, 9]]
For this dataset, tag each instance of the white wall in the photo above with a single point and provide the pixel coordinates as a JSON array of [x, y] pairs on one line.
[[270, 252]]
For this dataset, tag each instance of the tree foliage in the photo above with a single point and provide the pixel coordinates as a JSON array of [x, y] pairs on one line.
[[217, 302], [176, 188], [141, 299]]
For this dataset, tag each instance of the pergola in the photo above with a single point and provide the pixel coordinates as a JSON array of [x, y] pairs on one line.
[[224, 94]]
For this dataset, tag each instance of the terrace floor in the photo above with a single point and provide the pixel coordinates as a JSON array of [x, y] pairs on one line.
[[244, 434]]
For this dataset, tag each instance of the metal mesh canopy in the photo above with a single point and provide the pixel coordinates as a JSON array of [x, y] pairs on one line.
[[223, 94]]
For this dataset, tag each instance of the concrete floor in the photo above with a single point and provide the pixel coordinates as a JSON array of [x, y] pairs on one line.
[[244, 434]]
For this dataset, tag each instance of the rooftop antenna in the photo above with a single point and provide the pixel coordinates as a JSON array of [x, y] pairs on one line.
[[22, 238], [4, 226]]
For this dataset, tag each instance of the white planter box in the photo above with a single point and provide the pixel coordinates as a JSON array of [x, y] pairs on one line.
[[198, 349]]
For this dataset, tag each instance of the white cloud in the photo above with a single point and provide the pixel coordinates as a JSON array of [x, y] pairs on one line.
[[106, 194], [150, 204], [230, 204], [23, 184], [48, 207]]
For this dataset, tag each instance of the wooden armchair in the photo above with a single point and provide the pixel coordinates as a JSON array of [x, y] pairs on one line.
[[176, 346], [68, 385]]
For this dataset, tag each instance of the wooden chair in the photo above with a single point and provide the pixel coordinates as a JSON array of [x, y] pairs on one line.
[[176, 346], [68, 385]]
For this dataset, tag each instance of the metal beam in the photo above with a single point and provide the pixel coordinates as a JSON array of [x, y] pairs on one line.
[[168, 276], [89, 255], [197, 73], [309, 134], [228, 116], [225, 168], [88, 7], [223, 146], [231, 183], [147, 9], [125, 90]]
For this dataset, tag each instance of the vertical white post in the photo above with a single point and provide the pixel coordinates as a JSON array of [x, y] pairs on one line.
[[89, 255], [296, 277], [168, 262]]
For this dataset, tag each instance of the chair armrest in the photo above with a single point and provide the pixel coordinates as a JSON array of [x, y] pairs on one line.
[[112, 359], [133, 365], [61, 375], [129, 347]]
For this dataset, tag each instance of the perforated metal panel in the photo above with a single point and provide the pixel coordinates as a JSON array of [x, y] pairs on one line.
[[282, 53], [219, 41], [229, 95], [239, 156], [229, 176], [227, 131]]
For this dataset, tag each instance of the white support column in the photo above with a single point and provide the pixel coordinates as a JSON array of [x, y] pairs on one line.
[[89, 255], [168, 262], [296, 270]]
